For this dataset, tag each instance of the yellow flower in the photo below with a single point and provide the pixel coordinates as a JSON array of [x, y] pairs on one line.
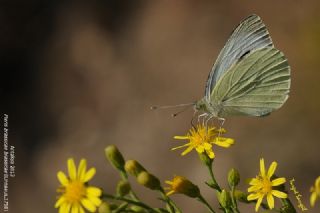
[[202, 138], [75, 194], [262, 186], [315, 192], [182, 185]]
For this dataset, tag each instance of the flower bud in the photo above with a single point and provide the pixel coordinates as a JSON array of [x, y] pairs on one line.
[[224, 198], [148, 180], [205, 159], [123, 188], [182, 185], [233, 177], [115, 157], [241, 196], [137, 209], [104, 208], [133, 167], [287, 206]]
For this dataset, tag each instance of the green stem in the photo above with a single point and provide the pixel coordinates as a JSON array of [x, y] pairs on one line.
[[234, 202], [173, 207], [124, 177], [215, 183], [202, 200], [133, 202]]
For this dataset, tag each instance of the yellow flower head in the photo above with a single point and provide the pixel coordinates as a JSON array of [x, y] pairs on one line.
[[75, 194], [202, 138], [262, 186], [182, 185], [315, 192]]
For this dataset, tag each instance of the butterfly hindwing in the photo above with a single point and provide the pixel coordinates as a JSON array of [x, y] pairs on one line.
[[257, 85], [251, 34]]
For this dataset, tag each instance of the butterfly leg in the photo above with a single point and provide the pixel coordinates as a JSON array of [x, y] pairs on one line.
[[202, 115], [209, 117], [222, 120]]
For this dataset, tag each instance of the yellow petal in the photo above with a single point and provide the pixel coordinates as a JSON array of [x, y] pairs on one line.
[[270, 200], [313, 199], [254, 181], [258, 203], [179, 147], [96, 201], [189, 149], [224, 142], [278, 181], [254, 196], [94, 191], [72, 169], [317, 184], [169, 182], [170, 193], [272, 169], [279, 194], [262, 167], [82, 169], [75, 208], [81, 209], [62, 178], [88, 205], [207, 146], [59, 202], [62, 208], [67, 207], [254, 188], [181, 137], [89, 175], [210, 154], [200, 149]]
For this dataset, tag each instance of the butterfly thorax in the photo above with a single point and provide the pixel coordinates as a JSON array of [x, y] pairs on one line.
[[204, 106]]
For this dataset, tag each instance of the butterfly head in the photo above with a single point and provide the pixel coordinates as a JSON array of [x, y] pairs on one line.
[[201, 105]]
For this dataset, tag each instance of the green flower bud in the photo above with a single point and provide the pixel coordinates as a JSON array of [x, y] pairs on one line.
[[123, 188], [182, 185], [115, 157], [233, 177], [148, 180], [137, 209], [241, 196], [104, 208], [205, 159], [133, 167], [287, 207], [224, 198]]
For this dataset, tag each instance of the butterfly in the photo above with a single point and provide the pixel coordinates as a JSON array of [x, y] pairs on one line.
[[250, 76]]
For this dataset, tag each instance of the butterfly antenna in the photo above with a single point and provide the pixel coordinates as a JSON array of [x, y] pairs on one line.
[[172, 106], [181, 111]]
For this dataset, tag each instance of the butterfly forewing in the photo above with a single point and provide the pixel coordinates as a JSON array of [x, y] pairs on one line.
[[251, 34], [257, 85]]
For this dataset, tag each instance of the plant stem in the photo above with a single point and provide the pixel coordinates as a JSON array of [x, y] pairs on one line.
[[216, 185], [124, 177], [234, 202], [133, 202], [201, 199], [173, 207]]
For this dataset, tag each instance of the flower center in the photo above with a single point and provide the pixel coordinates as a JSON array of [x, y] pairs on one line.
[[201, 137], [75, 191], [266, 186]]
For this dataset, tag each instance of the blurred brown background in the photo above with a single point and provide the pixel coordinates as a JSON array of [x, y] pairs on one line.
[[78, 76]]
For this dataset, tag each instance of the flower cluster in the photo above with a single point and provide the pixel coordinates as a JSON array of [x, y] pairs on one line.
[[76, 195]]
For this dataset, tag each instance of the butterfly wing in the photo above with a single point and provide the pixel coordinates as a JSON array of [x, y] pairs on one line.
[[251, 34], [257, 85]]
